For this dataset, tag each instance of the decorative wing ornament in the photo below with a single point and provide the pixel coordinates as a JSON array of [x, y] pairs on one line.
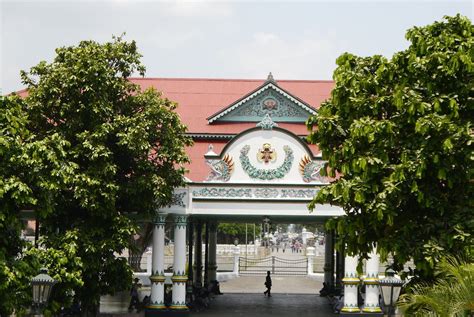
[[221, 170], [310, 170]]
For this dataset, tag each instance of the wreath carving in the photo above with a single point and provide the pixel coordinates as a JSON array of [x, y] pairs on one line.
[[266, 174]]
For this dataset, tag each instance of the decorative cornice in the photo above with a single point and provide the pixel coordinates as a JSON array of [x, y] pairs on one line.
[[211, 136], [266, 85], [256, 193]]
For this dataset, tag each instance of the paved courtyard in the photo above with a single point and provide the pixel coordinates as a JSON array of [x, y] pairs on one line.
[[281, 284], [284, 305]]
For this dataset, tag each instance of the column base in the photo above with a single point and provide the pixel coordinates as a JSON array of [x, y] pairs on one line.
[[350, 310], [180, 307], [343, 314], [156, 307], [372, 310]]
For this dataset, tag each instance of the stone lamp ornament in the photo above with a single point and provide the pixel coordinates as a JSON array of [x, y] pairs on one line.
[[42, 285], [390, 287]]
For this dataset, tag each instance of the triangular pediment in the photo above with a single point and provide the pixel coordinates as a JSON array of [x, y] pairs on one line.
[[267, 99]]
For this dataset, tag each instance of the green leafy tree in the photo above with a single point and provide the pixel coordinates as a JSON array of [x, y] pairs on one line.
[[127, 146], [32, 170], [228, 232], [451, 295], [398, 132]]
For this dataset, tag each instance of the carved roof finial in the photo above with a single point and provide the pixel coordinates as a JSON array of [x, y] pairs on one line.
[[267, 123], [270, 77]]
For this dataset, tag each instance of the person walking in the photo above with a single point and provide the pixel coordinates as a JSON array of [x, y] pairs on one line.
[[268, 285], [134, 301]]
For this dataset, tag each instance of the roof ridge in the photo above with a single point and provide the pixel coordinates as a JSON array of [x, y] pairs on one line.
[[233, 79]]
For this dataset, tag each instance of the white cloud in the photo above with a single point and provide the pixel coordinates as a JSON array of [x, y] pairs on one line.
[[307, 56], [180, 8]]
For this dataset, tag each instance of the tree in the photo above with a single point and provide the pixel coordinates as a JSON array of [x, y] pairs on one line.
[[398, 132], [451, 295], [228, 232], [31, 171], [127, 146]]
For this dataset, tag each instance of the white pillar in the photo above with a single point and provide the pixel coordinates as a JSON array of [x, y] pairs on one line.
[[236, 260], [310, 255], [212, 252], [179, 264], [157, 277], [371, 281], [351, 281]]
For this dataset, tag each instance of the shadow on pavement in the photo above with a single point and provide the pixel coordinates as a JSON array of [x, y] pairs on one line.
[[258, 305]]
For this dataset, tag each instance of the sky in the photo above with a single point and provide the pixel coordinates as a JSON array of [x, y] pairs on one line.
[[216, 39]]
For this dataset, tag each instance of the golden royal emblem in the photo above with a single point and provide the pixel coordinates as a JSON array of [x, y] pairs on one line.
[[266, 154]]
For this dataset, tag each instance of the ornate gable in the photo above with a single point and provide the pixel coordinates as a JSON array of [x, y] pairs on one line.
[[265, 154], [268, 99]]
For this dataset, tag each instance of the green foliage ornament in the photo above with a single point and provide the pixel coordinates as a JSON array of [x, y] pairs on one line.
[[400, 133]]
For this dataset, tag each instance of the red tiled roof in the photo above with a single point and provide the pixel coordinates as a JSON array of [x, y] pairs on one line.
[[200, 98]]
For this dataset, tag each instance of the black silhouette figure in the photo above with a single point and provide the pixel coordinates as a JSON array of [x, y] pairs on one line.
[[134, 301], [268, 285]]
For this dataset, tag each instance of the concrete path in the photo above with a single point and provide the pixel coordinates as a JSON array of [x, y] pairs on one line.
[[281, 284], [279, 305]]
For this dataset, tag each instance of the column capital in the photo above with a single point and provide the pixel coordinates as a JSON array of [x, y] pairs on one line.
[[180, 220], [159, 219]]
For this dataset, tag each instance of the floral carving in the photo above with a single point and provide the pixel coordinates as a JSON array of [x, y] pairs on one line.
[[223, 192], [266, 193]]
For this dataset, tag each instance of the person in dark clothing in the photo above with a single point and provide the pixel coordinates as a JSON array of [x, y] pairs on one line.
[[268, 284], [134, 301]]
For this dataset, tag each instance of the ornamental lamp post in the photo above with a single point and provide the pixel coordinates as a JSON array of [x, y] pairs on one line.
[[266, 225], [390, 287], [42, 285]]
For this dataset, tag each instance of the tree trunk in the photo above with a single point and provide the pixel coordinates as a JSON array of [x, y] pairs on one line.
[[138, 246]]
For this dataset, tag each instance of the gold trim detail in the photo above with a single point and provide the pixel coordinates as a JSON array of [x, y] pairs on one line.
[[157, 278], [179, 278], [350, 280], [179, 307], [372, 310], [350, 309], [156, 307]]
